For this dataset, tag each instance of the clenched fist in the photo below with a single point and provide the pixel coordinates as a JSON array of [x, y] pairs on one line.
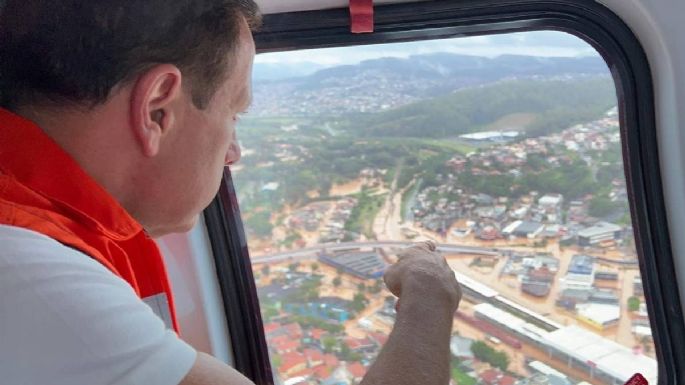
[[423, 273]]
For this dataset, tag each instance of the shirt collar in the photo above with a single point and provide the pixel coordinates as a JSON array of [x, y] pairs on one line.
[[38, 162]]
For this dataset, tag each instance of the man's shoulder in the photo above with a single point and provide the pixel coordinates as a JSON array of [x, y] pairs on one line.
[[62, 309], [22, 246]]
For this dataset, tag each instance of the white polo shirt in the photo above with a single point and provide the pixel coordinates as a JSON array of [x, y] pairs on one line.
[[66, 319]]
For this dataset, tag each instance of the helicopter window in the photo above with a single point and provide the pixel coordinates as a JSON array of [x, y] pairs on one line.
[[529, 155], [504, 149]]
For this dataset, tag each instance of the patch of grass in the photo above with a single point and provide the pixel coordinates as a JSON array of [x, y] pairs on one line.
[[462, 378]]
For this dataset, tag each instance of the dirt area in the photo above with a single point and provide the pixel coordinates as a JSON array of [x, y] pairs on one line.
[[352, 187]]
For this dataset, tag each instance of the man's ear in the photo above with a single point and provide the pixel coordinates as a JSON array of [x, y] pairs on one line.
[[153, 112]]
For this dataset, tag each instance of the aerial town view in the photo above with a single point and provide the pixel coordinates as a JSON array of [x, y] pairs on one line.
[[512, 164]]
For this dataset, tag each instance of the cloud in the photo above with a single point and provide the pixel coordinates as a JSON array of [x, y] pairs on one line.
[[538, 43]]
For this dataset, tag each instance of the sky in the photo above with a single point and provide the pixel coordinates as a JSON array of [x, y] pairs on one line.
[[538, 43]]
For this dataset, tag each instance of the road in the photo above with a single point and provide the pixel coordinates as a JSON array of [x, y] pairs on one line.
[[309, 252]]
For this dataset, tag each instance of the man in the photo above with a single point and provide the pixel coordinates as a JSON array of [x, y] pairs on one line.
[[118, 118]]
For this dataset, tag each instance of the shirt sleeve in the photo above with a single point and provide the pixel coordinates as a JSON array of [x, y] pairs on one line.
[[66, 319]]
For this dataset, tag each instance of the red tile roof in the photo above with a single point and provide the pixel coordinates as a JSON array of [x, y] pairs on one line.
[[330, 360], [314, 356], [271, 327], [323, 371], [489, 376], [317, 334], [294, 330], [358, 370], [291, 360]]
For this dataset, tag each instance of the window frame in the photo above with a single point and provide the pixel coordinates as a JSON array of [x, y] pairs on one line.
[[586, 19]]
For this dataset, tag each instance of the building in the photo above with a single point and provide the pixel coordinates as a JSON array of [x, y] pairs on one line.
[[602, 231], [362, 264], [495, 377], [460, 347], [551, 201], [638, 289], [550, 375], [580, 274], [604, 296], [524, 229], [599, 316], [606, 280], [569, 298], [535, 287], [602, 358]]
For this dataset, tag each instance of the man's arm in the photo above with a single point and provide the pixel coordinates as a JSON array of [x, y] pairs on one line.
[[207, 370], [417, 351]]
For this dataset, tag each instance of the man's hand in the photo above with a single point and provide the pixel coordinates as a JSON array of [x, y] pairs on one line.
[[423, 272], [417, 351]]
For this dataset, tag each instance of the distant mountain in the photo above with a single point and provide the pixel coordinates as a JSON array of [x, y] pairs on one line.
[[386, 83], [553, 105]]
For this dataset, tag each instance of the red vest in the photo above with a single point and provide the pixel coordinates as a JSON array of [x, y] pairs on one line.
[[43, 189]]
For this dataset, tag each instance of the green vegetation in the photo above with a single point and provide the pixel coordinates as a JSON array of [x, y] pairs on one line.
[[461, 378], [413, 142], [308, 291], [276, 360], [348, 355], [359, 302], [260, 223], [601, 205], [487, 354], [406, 195], [311, 322], [329, 343], [363, 214], [557, 104], [633, 304]]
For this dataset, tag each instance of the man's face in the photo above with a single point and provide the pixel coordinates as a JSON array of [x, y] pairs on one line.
[[205, 141]]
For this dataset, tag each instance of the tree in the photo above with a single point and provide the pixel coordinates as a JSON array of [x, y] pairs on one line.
[[315, 266], [329, 344], [337, 281], [359, 302], [293, 267], [377, 287], [633, 304], [260, 224], [361, 287], [487, 354]]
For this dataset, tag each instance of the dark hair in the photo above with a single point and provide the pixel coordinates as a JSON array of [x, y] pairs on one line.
[[77, 51]]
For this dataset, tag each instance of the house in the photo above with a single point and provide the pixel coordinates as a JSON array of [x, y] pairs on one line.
[[460, 347], [291, 363], [495, 377], [357, 371], [600, 232]]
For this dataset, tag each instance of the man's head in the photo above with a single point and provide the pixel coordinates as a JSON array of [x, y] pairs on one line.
[[143, 94]]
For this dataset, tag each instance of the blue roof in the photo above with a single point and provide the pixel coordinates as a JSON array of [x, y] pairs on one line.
[[581, 264]]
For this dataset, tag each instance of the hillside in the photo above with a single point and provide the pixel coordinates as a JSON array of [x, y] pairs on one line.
[[387, 83], [544, 105]]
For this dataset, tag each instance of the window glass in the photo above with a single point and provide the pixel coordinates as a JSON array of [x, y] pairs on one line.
[[504, 149]]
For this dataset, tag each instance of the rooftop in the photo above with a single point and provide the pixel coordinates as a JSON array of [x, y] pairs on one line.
[[581, 264], [600, 228], [607, 356]]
